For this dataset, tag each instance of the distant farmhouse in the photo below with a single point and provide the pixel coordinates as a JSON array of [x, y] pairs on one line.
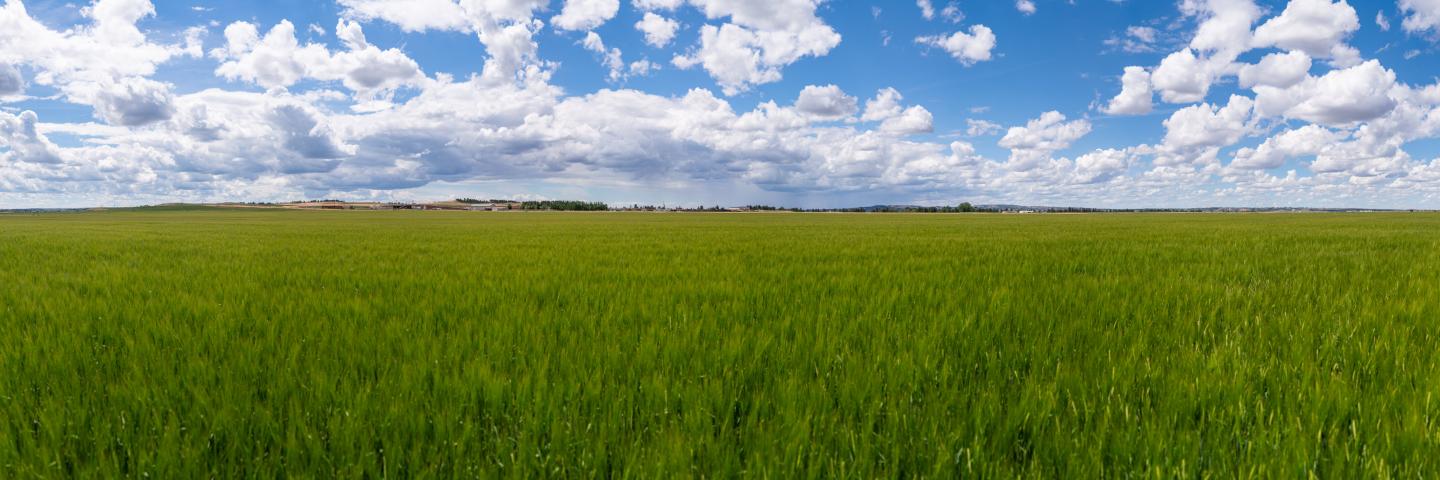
[[494, 207]]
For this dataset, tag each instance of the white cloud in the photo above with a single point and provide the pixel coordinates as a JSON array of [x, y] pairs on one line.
[[194, 46], [659, 31], [1101, 165], [1381, 21], [302, 132], [648, 5], [1137, 39], [99, 64], [1338, 98], [1026, 7], [411, 15], [643, 67], [952, 13], [975, 127], [11, 82], [25, 143], [1196, 133], [585, 14], [826, 102], [760, 39], [912, 121], [1135, 96], [1317, 27], [967, 48], [506, 27], [1185, 76], [1303, 141], [927, 9], [1182, 77], [1280, 70], [611, 58], [134, 101], [1420, 15], [1035, 143], [278, 60], [886, 104], [1146, 35], [1224, 31], [614, 61], [894, 117]]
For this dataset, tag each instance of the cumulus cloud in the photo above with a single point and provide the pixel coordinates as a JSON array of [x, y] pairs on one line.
[[1135, 96], [1338, 98], [911, 121], [11, 82], [1317, 27], [659, 31], [1420, 15], [759, 40], [885, 104], [613, 59], [1026, 7], [1182, 77], [476, 129], [1195, 134], [275, 61], [1186, 75], [1033, 144], [585, 14], [100, 64], [648, 5], [411, 15], [894, 117], [506, 27], [751, 47], [24, 142], [1303, 141], [826, 102], [967, 48], [279, 60], [1280, 70], [1101, 165], [303, 133], [1224, 30], [134, 102]]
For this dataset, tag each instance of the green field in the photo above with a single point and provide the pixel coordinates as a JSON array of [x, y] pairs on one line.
[[225, 343]]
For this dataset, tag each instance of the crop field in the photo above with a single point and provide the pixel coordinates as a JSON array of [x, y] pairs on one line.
[[258, 343]]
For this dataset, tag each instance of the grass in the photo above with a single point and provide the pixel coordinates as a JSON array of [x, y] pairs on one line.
[[254, 343]]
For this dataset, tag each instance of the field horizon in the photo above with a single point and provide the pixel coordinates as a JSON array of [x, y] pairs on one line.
[[182, 343]]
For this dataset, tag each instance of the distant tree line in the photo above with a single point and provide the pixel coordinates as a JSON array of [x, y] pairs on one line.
[[565, 206], [961, 208]]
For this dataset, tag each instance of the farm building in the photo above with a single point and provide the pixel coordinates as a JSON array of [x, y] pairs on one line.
[[495, 207]]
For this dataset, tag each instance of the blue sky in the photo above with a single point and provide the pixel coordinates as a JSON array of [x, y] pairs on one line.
[[795, 102]]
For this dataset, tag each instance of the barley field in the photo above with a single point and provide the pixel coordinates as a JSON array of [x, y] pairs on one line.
[[208, 343]]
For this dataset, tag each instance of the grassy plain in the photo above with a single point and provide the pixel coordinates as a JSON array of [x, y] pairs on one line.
[[223, 343]]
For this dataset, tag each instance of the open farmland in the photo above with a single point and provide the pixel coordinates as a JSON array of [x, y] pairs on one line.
[[204, 343]]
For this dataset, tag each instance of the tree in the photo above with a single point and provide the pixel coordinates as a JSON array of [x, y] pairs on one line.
[[967, 207]]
